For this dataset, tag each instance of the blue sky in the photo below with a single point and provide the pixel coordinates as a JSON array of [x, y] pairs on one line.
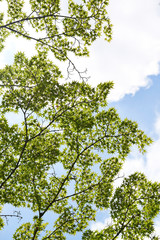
[[132, 61]]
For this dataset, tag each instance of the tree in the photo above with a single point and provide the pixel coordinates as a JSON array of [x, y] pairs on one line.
[[71, 125]]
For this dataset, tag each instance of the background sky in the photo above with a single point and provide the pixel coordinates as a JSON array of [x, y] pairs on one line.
[[131, 60]]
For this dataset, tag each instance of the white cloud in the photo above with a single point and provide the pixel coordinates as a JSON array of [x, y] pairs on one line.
[[14, 45], [131, 165], [100, 225], [134, 52]]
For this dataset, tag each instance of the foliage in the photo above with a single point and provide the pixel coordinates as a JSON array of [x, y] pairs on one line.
[[67, 125], [133, 206], [44, 22]]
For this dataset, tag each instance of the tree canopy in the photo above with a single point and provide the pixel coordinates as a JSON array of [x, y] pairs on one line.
[[68, 125]]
